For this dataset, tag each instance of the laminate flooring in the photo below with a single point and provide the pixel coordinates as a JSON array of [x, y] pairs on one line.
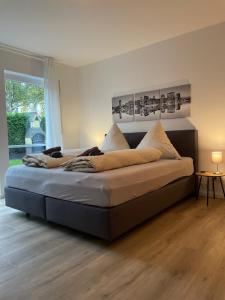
[[179, 254]]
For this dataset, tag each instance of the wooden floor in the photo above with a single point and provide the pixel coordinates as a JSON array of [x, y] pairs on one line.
[[177, 255]]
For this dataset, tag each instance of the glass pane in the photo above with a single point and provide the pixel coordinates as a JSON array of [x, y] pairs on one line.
[[25, 119]]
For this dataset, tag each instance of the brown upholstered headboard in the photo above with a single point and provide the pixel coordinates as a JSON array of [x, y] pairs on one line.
[[185, 141]]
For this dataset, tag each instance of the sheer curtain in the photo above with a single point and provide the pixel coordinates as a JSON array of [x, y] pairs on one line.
[[52, 102]]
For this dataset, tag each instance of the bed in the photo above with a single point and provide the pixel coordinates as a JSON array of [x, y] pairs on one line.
[[115, 201]]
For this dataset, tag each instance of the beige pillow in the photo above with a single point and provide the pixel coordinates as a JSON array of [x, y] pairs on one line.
[[114, 140], [157, 138]]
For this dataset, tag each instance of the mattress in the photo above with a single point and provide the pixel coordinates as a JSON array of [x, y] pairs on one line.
[[104, 189]]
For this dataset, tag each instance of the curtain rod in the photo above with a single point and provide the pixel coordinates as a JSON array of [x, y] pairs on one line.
[[23, 52]]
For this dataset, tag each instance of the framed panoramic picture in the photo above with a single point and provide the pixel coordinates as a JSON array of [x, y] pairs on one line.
[[166, 103], [147, 106], [123, 108], [175, 102]]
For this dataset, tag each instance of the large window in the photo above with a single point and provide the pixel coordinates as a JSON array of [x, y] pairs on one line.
[[25, 109]]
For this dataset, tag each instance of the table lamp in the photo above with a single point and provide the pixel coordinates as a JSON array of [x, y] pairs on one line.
[[217, 158]]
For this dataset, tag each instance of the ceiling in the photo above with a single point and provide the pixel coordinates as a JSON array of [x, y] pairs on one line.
[[79, 32]]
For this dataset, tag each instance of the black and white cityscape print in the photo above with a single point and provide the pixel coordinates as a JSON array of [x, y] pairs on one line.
[[123, 108], [175, 102], [147, 106], [167, 103]]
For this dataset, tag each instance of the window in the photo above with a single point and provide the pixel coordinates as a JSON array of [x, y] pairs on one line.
[[25, 109]]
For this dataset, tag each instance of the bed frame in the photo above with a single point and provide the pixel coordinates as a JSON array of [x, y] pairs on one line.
[[110, 222]]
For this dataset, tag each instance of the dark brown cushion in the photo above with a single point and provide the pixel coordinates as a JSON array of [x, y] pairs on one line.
[[50, 150], [91, 152]]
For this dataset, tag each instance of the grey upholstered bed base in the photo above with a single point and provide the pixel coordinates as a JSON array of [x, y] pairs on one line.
[[106, 223]]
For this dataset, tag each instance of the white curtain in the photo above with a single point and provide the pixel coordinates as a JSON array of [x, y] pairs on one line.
[[52, 103]]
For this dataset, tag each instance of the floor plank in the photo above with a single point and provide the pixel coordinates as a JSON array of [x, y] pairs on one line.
[[177, 255]]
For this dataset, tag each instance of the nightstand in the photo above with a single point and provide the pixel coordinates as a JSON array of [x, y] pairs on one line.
[[213, 177]]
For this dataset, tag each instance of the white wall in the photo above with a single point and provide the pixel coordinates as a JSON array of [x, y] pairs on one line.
[[197, 57], [20, 63]]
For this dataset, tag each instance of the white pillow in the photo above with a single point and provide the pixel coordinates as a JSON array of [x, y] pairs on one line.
[[157, 138], [114, 140]]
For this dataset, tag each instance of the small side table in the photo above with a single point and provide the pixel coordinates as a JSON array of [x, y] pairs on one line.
[[213, 177]]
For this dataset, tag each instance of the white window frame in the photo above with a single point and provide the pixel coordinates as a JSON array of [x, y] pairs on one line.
[[4, 151], [11, 75]]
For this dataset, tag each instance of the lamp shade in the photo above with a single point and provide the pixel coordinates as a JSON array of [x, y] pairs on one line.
[[217, 157]]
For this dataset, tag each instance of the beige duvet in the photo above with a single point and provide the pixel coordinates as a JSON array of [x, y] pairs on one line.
[[112, 160]]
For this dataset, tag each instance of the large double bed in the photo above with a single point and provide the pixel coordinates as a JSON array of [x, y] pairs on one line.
[[106, 204]]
